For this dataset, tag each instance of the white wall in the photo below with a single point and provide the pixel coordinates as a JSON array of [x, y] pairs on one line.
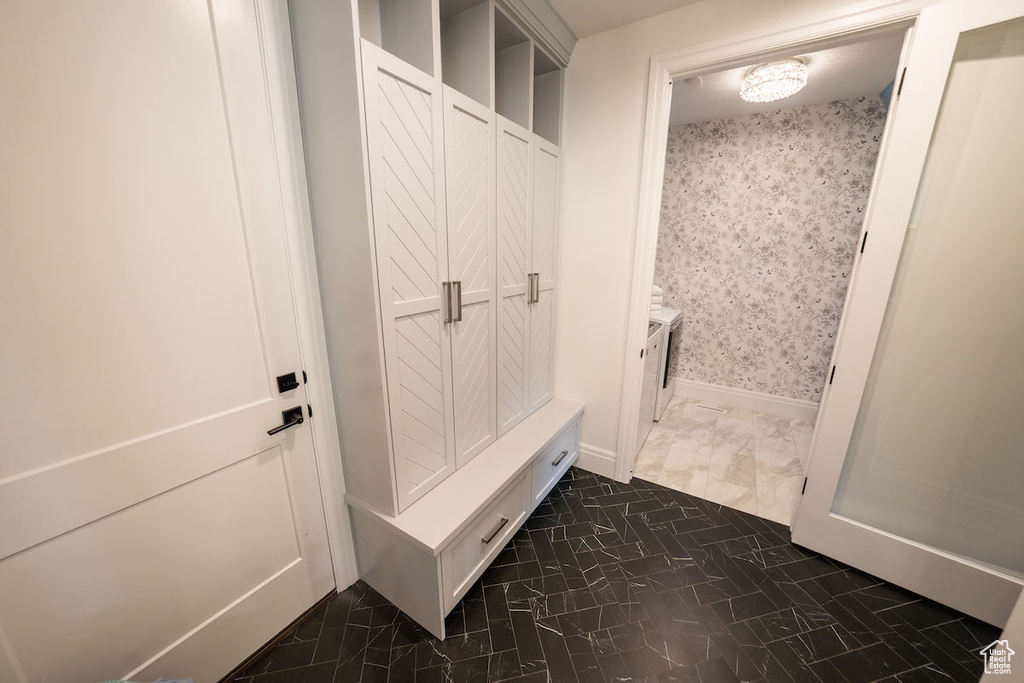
[[606, 93]]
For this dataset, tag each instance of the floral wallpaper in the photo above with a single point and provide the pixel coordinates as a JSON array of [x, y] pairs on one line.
[[760, 221]]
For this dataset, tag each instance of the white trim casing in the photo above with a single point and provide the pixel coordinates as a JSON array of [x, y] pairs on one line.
[[712, 56], [792, 408], [279, 71]]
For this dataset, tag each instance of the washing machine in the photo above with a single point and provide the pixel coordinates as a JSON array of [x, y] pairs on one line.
[[671, 322], [649, 388]]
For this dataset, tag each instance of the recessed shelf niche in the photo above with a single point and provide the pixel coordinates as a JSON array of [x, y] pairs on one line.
[[513, 71], [466, 52], [547, 96], [404, 28]]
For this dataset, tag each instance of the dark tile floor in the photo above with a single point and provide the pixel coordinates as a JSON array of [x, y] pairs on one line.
[[612, 582]]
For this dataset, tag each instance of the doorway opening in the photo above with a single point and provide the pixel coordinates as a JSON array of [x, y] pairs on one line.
[[761, 220]]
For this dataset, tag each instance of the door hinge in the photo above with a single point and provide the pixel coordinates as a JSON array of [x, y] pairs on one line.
[[305, 380], [309, 409], [903, 77], [863, 242], [804, 487], [833, 375], [641, 353]]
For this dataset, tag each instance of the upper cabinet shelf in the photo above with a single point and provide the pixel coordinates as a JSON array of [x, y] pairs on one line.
[[513, 71], [547, 96], [404, 28], [466, 54], [477, 47]]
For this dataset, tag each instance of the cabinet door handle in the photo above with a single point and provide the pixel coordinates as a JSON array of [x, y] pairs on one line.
[[529, 288], [457, 287], [536, 288], [446, 302], [560, 458], [501, 525]]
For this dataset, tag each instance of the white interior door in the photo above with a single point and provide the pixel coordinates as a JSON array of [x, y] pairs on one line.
[[470, 198], [149, 525], [514, 199], [915, 472], [543, 231], [405, 134]]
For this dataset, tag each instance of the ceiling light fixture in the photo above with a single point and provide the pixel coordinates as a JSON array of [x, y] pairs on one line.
[[770, 82]]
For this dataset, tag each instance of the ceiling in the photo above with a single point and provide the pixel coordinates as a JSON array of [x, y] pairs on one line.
[[855, 70], [587, 17]]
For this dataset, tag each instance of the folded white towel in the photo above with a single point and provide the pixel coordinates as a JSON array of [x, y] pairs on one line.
[[657, 299], [655, 307], [656, 290]]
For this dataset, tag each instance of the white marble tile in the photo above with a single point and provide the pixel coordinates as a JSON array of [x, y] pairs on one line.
[[774, 450], [777, 497], [802, 433], [733, 462], [651, 457], [686, 465], [771, 426], [692, 479], [735, 425], [691, 445], [737, 497]]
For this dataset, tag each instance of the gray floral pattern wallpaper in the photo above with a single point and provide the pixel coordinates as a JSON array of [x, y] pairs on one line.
[[760, 222]]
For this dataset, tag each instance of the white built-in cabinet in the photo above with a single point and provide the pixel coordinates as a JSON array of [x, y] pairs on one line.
[[463, 208], [431, 132], [527, 218]]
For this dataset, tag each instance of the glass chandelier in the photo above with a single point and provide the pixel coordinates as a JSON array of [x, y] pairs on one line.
[[773, 81]]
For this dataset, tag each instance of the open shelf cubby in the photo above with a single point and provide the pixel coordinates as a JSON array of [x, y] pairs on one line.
[[547, 96], [404, 28], [466, 47], [513, 70]]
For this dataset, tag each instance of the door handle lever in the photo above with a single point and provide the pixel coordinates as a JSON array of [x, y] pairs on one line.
[[291, 417]]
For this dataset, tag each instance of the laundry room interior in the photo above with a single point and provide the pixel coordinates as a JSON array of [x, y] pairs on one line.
[[761, 216]]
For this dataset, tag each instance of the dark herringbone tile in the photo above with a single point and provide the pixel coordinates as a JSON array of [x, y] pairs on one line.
[[614, 582]]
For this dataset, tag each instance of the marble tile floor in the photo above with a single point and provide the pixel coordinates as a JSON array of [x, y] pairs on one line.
[[613, 583], [748, 460]]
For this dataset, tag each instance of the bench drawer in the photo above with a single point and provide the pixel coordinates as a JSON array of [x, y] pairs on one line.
[[551, 464], [465, 559]]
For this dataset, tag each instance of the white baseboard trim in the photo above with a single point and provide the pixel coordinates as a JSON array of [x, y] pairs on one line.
[[792, 408], [597, 460]]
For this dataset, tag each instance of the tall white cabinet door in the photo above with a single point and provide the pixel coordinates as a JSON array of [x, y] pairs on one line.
[[543, 232], [514, 196], [405, 138], [469, 189], [149, 524]]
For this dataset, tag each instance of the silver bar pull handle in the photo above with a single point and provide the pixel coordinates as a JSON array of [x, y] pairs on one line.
[[536, 288], [560, 458], [529, 288], [457, 286], [446, 302], [501, 525]]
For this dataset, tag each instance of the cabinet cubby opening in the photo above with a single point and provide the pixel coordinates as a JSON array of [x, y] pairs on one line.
[[466, 53], [403, 28], [547, 96], [513, 70]]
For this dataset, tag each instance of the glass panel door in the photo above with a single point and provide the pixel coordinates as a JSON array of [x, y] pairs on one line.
[[937, 453], [917, 466]]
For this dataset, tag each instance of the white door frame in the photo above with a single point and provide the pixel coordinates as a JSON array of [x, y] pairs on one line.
[[279, 71], [832, 29]]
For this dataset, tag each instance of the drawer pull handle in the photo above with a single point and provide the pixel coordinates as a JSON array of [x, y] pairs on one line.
[[501, 525], [560, 458]]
